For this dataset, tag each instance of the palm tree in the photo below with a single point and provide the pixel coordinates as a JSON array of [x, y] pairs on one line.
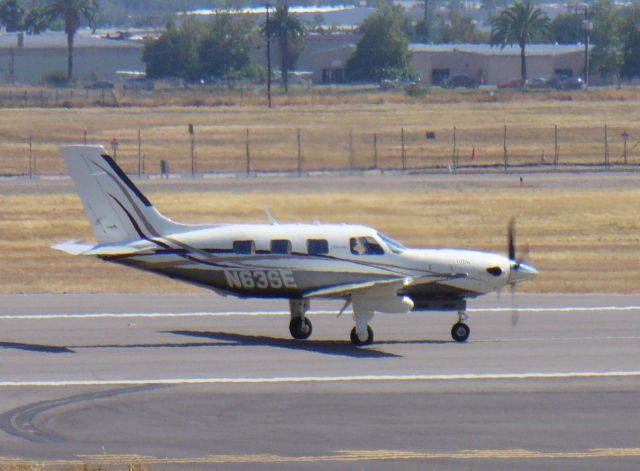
[[520, 23], [289, 32], [71, 13]]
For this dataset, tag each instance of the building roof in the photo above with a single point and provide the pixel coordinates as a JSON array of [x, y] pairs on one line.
[[488, 50], [58, 39]]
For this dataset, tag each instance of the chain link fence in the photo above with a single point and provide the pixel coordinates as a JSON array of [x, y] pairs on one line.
[[239, 150]]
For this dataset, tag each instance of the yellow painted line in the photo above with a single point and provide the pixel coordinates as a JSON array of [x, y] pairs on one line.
[[338, 456]]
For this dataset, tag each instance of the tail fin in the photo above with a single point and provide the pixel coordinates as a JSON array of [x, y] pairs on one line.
[[117, 209]]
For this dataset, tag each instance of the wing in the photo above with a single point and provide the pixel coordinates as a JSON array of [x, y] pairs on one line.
[[341, 291]]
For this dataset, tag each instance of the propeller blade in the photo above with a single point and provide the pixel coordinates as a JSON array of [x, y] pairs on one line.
[[515, 312], [511, 235]]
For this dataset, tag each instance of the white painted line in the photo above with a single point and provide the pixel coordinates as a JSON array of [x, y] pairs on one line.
[[109, 315], [326, 379], [557, 309]]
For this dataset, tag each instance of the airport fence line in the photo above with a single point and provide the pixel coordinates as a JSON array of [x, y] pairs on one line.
[[210, 150]]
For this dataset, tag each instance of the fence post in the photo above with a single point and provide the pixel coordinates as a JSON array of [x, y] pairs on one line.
[[556, 154], [453, 157], [299, 154], [351, 154], [85, 137], [139, 153], [31, 166], [506, 155], [248, 154], [192, 135], [403, 155], [375, 150], [606, 148], [56, 97]]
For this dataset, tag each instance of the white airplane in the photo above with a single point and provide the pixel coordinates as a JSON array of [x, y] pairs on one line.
[[298, 262]]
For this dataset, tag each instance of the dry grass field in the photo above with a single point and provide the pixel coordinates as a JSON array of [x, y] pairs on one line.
[[582, 239], [336, 130]]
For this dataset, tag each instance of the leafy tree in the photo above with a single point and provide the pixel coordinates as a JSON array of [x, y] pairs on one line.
[[71, 13], [35, 21], [456, 27], [567, 29], [606, 55], [11, 14], [424, 27], [519, 24], [175, 53], [290, 33], [631, 43], [225, 49], [383, 51]]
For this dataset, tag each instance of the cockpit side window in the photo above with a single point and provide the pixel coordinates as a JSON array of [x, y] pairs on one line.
[[365, 246], [394, 245]]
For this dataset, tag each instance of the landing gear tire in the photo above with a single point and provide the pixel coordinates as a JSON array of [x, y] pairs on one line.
[[356, 340], [300, 328], [460, 332]]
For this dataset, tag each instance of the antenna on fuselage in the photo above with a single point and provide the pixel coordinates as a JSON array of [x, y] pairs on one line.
[[270, 217]]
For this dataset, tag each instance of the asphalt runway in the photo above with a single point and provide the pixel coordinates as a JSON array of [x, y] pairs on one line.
[[216, 383]]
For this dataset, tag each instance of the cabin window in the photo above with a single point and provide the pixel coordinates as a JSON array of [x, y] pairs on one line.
[[281, 247], [317, 247], [365, 246], [244, 247]]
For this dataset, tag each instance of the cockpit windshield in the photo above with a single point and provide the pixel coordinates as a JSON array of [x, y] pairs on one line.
[[394, 246]]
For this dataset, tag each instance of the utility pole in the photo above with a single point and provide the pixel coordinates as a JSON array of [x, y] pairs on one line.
[[587, 26], [268, 25]]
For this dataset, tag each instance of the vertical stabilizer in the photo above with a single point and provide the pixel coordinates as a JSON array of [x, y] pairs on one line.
[[116, 208]]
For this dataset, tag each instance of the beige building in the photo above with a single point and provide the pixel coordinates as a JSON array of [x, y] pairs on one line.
[[492, 65], [96, 57], [488, 65]]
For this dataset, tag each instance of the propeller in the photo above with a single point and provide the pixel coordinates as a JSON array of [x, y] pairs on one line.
[[515, 265]]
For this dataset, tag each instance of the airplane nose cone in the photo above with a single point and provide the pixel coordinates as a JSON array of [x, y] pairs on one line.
[[521, 272]]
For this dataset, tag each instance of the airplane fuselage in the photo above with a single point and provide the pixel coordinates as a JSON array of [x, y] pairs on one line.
[[290, 260]]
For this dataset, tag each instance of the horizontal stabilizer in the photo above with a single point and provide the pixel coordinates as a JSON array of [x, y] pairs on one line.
[[76, 248], [72, 247]]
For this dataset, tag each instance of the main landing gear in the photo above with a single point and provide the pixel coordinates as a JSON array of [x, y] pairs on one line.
[[460, 331], [300, 327]]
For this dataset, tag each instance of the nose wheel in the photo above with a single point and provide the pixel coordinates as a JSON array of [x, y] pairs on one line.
[[355, 339]]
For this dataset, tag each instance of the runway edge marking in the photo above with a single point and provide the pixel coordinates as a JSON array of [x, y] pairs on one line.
[[324, 379], [108, 315]]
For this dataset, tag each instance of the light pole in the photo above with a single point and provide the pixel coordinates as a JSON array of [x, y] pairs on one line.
[[268, 28], [587, 27]]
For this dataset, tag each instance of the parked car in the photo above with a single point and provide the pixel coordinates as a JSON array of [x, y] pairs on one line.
[[569, 83], [460, 81], [139, 83], [515, 83], [100, 85], [539, 82]]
